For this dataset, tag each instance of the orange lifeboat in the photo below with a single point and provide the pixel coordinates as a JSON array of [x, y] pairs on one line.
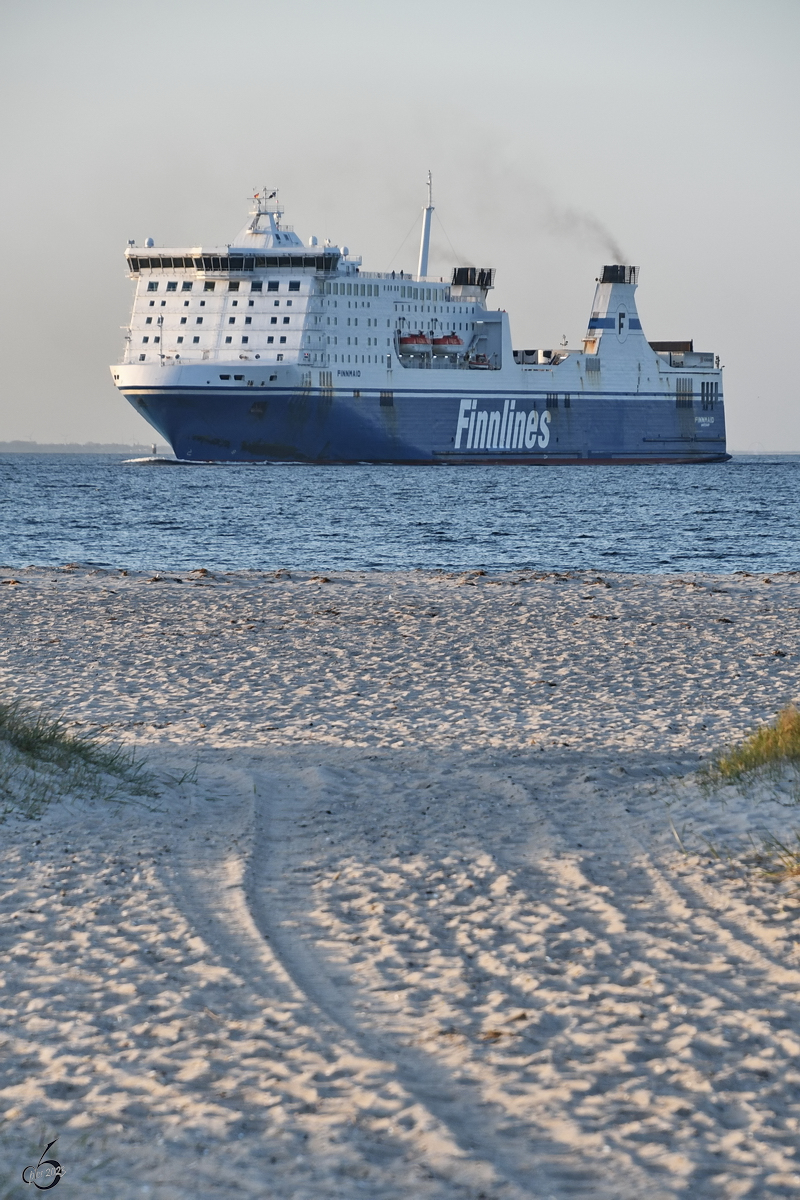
[[450, 343], [415, 343]]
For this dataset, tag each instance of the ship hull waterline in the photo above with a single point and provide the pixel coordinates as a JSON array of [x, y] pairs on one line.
[[314, 426]]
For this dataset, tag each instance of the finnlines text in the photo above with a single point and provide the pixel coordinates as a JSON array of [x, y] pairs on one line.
[[509, 429]]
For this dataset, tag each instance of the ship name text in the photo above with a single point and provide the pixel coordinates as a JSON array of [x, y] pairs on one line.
[[506, 429]]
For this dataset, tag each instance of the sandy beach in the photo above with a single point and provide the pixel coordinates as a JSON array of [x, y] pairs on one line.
[[424, 899]]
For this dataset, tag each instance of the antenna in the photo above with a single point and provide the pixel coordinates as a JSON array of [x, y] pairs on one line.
[[425, 241], [262, 208]]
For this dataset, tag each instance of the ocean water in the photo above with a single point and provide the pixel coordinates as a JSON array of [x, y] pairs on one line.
[[95, 509]]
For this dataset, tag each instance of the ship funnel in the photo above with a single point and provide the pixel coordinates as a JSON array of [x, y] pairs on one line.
[[620, 274], [614, 312]]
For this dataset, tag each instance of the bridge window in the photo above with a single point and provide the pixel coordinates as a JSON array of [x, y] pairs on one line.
[[152, 286], [294, 285], [233, 285], [273, 285], [208, 286], [186, 286], [256, 285]]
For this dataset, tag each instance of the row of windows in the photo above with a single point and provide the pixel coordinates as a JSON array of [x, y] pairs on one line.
[[457, 308], [234, 304], [196, 340], [351, 289], [273, 285], [231, 320], [235, 262], [330, 288], [370, 341], [372, 289], [368, 358]]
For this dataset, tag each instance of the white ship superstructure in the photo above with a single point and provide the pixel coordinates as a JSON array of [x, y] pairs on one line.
[[266, 297]]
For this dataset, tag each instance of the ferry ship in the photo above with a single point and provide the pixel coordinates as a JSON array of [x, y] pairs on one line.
[[271, 350]]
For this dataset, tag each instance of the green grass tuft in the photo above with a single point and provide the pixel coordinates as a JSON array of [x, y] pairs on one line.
[[780, 860], [46, 739], [766, 751], [40, 760]]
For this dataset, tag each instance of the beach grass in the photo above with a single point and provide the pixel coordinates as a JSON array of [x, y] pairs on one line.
[[779, 859], [41, 759], [767, 751]]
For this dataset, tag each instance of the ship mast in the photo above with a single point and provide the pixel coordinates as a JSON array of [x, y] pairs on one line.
[[425, 241], [262, 209]]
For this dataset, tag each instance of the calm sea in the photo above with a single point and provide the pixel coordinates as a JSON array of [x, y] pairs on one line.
[[94, 509]]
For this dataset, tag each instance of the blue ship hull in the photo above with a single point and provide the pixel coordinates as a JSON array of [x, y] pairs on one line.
[[318, 425]]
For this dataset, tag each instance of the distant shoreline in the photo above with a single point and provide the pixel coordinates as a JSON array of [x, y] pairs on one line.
[[77, 448]]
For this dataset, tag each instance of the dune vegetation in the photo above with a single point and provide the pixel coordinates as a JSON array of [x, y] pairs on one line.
[[41, 758]]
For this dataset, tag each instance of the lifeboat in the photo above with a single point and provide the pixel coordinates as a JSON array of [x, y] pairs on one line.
[[415, 343], [451, 343], [479, 362]]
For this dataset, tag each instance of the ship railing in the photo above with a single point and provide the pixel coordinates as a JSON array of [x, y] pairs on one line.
[[399, 277], [424, 362]]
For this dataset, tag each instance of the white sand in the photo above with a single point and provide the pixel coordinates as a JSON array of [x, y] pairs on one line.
[[416, 925]]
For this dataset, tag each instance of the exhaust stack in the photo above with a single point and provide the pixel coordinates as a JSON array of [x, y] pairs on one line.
[[614, 308]]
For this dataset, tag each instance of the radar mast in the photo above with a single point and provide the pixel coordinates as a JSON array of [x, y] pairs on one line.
[[425, 241]]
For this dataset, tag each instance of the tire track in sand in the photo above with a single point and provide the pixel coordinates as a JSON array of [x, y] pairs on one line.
[[568, 1003], [542, 1153]]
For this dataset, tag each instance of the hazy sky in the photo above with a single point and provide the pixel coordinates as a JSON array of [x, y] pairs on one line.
[[554, 131]]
